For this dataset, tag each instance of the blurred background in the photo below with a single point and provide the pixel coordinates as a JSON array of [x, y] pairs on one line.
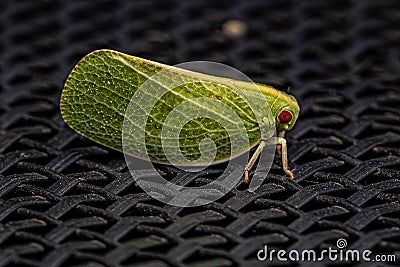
[[66, 201]]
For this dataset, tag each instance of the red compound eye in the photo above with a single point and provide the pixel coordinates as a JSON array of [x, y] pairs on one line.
[[285, 116]]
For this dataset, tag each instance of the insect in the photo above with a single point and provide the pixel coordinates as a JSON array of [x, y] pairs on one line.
[[98, 91]]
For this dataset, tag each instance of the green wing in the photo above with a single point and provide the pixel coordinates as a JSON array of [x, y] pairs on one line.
[[98, 92]]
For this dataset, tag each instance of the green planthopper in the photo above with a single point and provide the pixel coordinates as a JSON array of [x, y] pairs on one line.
[[100, 87]]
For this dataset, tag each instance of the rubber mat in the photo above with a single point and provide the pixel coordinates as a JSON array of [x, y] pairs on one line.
[[67, 201]]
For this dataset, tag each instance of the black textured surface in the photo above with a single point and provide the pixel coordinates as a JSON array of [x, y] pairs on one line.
[[65, 201]]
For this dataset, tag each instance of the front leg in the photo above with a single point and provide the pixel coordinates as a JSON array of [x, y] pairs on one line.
[[270, 141], [282, 142], [279, 147]]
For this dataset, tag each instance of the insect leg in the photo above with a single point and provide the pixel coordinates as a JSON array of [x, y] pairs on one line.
[[279, 147], [251, 162], [282, 142]]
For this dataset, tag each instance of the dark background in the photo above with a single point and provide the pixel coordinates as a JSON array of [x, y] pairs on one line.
[[66, 201]]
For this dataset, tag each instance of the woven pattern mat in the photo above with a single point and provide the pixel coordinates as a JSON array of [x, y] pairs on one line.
[[66, 201]]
